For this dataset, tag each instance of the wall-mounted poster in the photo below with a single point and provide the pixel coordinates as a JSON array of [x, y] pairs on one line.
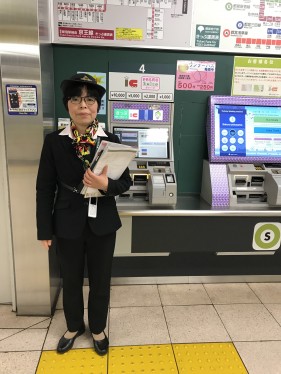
[[256, 76], [196, 75], [134, 23], [21, 99], [241, 26]]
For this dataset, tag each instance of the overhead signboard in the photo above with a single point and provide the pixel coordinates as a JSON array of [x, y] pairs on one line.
[[240, 26], [243, 26], [134, 23]]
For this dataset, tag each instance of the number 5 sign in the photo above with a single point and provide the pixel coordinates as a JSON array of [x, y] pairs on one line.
[[267, 236]]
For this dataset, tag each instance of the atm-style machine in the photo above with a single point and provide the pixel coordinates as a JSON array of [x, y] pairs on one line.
[[147, 126], [244, 145]]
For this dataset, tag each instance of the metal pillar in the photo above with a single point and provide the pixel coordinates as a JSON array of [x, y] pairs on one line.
[[24, 30]]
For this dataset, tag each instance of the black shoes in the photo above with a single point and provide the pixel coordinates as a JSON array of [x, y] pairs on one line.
[[65, 345], [101, 346]]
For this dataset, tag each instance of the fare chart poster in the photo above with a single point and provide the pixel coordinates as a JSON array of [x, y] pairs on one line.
[[238, 26], [135, 23], [242, 26]]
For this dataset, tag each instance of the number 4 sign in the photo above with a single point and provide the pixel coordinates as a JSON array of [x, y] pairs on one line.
[[267, 236]]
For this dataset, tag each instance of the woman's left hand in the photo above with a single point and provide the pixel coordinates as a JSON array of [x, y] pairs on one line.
[[96, 181]]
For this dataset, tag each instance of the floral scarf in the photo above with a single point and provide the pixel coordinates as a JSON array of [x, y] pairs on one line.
[[83, 143]]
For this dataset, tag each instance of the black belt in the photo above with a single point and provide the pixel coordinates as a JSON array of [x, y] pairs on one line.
[[73, 189]]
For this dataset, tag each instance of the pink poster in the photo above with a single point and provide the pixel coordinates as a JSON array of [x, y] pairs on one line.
[[195, 75]]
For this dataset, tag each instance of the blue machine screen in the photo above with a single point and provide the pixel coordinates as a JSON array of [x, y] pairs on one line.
[[247, 131]]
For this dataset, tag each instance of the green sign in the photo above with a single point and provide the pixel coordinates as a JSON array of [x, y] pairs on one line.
[[121, 114], [207, 36], [257, 62], [267, 236]]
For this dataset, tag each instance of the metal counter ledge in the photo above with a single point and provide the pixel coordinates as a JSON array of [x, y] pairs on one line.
[[193, 205]]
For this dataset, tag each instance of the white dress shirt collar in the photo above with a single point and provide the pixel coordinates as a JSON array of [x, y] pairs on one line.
[[67, 132]]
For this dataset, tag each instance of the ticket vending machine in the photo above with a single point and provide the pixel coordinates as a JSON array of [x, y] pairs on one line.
[[244, 146], [147, 126]]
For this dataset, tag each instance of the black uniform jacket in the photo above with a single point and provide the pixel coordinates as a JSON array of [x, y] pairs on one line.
[[62, 212]]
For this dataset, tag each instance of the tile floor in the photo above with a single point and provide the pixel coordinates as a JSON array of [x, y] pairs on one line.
[[246, 314]]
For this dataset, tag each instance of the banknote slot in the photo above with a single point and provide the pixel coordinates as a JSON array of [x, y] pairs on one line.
[[140, 179], [124, 195], [257, 181], [139, 194], [240, 181], [241, 197], [257, 197]]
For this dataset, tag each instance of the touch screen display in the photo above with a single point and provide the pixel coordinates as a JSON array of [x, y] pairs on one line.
[[151, 142], [247, 131]]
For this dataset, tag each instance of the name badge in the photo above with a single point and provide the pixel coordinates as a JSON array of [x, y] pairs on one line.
[[92, 208]]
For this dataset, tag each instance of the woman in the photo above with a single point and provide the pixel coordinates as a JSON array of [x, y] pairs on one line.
[[62, 212]]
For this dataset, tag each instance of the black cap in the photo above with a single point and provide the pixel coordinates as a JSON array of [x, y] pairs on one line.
[[86, 79]]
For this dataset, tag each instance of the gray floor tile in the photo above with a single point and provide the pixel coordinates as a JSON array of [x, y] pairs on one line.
[[5, 333], [260, 357], [183, 294], [137, 318], [26, 340], [140, 295], [19, 362], [42, 325], [9, 319], [275, 310], [137, 326], [249, 322], [194, 324], [269, 293], [231, 293]]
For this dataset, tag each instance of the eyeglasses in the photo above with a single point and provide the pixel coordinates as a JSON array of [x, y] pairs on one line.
[[89, 100]]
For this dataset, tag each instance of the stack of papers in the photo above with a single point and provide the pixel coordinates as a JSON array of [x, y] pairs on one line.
[[117, 156]]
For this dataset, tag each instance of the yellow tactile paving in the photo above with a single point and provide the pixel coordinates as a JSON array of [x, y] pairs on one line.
[[152, 359], [76, 361], [204, 358], [208, 358]]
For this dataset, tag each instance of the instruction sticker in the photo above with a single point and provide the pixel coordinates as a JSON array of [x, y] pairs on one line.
[[123, 33], [22, 99]]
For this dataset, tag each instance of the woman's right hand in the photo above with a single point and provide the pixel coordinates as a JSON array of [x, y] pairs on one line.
[[46, 243]]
